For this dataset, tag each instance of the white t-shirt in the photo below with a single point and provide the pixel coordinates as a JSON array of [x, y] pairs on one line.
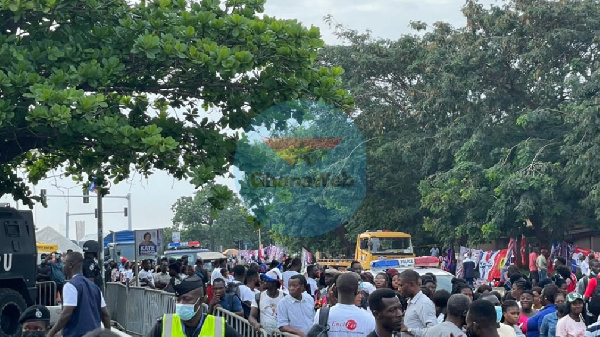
[[268, 310], [215, 275], [312, 284], [148, 275], [70, 296], [286, 277], [348, 320], [127, 274], [246, 294]]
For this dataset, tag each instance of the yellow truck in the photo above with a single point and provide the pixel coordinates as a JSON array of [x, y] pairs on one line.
[[377, 245]]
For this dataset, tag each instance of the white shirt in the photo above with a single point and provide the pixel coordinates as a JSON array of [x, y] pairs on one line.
[[127, 275], [585, 267], [298, 314], [312, 285], [268, 310], [70, 296], [420, 314], [348, 320], [246, 294], [286, 277], [148, 275], [215, 275]]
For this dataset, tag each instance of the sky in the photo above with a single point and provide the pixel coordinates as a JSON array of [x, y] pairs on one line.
[[152, 198]]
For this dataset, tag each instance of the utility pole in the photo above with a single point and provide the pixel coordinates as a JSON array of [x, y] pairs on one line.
[[101, 239]]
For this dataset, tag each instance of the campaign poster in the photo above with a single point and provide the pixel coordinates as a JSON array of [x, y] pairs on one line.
[[148, 242], [176, 237]]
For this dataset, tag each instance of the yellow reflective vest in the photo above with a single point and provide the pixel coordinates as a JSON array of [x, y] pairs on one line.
[[212, 326]]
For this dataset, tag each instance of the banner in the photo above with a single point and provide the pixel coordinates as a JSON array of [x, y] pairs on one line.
[[148, 242], [524, 259], [46, 247], [176, 237], [498, 264], [307, 258]]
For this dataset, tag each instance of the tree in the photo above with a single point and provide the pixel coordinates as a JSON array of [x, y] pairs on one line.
[[197, 221], [104, 88], [476, 131]]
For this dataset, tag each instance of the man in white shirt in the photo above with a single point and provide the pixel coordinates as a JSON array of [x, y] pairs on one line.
[[216, 273], [345, 318], [458, 305], [296, 312], [265, 305], [146, 277], [584, 265], [239, 276], [311, 272], [420, 313], [294, 269], [90, 307], [162, 278]]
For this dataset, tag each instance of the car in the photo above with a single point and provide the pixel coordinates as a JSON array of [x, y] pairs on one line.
[[422, 265]]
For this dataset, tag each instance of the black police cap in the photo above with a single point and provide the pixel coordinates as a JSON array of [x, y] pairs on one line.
[[35, 313], [186, 286]]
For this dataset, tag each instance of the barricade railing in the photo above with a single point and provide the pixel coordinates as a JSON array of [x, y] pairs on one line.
[[46, 293], [137, 309], [243, 326]]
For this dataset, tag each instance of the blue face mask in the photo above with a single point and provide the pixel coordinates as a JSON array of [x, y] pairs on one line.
[[186, 311], [498, 314]]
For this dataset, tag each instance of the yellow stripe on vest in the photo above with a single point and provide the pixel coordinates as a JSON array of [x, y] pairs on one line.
[[213, 326]]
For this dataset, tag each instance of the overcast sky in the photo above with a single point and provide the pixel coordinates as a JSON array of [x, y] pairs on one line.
[[152, 198]]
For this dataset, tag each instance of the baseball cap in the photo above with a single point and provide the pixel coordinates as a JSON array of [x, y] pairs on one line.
[[572, 297], [270, 276]]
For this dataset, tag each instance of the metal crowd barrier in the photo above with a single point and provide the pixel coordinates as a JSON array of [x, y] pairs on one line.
[[46, 293], [136, 309], [243, 326]]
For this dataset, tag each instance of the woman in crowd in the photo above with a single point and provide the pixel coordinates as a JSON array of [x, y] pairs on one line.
[[526, 309], [461, 287], [510, 319], [127, 273], [537, 301], [395, 282], [382, 281], [572, 324]]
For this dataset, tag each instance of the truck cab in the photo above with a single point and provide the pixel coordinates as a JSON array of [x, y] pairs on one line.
[[18, 267], [382, 245]]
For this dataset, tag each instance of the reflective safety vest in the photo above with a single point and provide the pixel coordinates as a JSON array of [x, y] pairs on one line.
[[213, 326]]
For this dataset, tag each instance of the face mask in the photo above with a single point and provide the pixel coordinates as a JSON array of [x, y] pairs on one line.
[[186, 311], [31, 333], [498, 314]]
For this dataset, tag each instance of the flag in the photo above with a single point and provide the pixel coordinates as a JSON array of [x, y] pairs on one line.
[[260, 253], [307, 258], [523, 256]]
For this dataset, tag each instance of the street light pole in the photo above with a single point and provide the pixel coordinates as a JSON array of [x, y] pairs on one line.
[[129, 223], [100, 238]]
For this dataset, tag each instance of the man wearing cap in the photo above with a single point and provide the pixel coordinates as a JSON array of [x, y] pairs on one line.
[[189, 320], [35, 321], [82, 302], [263, 312]]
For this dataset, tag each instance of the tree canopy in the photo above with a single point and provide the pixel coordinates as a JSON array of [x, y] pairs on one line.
[[198, 221], [105, 88], [477, 131]]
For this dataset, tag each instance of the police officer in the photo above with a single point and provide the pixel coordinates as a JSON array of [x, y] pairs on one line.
[[91, 269], [35, 321], [189, 319]]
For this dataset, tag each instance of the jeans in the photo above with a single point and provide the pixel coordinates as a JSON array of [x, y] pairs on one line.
[[543, 274]]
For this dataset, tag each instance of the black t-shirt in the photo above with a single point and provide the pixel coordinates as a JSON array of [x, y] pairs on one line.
[[157, 331], [91, 270], [44, 273]]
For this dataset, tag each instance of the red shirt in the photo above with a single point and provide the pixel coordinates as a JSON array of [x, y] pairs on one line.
[[532, 257], [572, 284], [592, 284]]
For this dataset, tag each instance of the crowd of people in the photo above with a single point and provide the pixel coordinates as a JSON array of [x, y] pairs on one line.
[[277, 296]]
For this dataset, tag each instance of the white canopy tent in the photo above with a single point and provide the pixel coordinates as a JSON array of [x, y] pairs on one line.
[[50, 235]]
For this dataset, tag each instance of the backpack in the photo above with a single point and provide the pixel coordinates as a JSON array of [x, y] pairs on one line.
[[233, 289], [320, 329], [594, 304]]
